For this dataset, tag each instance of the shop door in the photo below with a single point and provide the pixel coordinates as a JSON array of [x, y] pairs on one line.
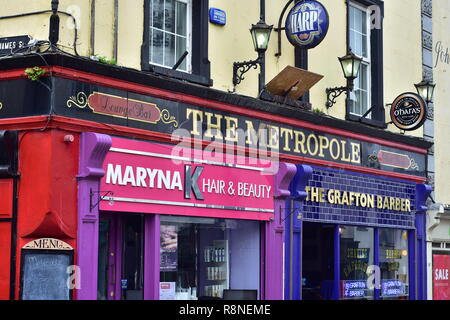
[[318, 261], [120, 257]]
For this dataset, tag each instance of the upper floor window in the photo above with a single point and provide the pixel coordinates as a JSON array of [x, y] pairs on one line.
[[365, 38], [170, 32], [171, 28], [359, 37]]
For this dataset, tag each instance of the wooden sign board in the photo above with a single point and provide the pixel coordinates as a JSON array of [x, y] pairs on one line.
[[47, 244], [293, 82]]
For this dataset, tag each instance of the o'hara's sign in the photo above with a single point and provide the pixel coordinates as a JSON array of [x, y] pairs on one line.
[[364, 200], [408, 111], [307, 24]]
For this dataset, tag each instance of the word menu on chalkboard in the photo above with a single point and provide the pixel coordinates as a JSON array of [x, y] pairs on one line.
[[44, 275]]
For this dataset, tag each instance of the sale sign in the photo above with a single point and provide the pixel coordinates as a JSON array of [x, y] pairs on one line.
[[165, 179], [441, 280]]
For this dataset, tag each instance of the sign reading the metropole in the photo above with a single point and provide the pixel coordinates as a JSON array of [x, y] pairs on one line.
[[165, 179], [307, 24]]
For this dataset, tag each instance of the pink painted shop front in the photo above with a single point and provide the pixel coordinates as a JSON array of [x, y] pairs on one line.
[[165, 179]]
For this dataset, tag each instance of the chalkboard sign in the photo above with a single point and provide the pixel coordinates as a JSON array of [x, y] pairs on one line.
[[44, 275]]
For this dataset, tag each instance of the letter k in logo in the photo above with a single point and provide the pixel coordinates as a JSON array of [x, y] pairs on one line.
[[190, 182]]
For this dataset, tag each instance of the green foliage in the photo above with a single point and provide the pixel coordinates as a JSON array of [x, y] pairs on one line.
[[34, 73], [103, 59], [317, 110]]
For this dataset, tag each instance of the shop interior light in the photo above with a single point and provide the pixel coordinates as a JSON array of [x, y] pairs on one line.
[[350, 64]]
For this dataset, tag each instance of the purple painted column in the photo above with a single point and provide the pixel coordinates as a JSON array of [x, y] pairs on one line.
[[151, 257], [422, 193], [93, 149], [274, 235]]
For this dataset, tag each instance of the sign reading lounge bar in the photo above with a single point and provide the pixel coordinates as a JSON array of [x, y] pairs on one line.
[[119, 107]]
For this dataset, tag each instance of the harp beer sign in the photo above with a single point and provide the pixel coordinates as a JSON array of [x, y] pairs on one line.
[[307, 24]]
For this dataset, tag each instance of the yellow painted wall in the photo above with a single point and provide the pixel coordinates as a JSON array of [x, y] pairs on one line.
[[323, 59], [104, 28], [131, 30], [402, 37], [37, 26], [232, 42], [441, 26]]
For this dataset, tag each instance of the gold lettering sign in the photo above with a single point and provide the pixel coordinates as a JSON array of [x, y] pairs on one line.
[[357, 199], [276, 138], [47, 244]]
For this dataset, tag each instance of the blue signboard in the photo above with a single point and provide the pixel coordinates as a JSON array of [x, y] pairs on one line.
[[217, 16], [393, 288], [354, 289], [307, 24]]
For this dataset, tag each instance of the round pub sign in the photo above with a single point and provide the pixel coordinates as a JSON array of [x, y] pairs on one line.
[[307, 24], [408, 111]]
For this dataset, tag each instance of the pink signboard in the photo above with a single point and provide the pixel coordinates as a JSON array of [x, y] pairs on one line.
[[165, 179], [441, 280]]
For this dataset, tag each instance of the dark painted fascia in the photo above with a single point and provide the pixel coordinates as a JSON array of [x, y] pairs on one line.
[[162, 82]]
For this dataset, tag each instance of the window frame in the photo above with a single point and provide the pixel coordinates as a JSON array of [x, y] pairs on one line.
[[377, 116], [200, 71], [366, 60], [188, 36]]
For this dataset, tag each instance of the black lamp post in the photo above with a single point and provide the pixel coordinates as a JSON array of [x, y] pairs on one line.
[[260, 35], [54, 23], [425, 89], [350, 64]]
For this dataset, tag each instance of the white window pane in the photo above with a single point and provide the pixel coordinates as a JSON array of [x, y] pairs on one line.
[[363, 77], [157, 48], [169, 22], [352, 18], [358, 20], [169, 50], [180, 49], [364, 22], [364, 52], [158, 13], [181, 18], [358, 49], [364, 101]]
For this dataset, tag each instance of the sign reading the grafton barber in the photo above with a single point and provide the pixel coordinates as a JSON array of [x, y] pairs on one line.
[[408, 111], [307, 24]]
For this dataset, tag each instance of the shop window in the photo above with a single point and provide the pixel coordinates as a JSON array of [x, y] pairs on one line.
[[121, 257], [132, 281], [365, 40], [171, 28], [359, 37], [394, 263], [208, 258], [357, 244]]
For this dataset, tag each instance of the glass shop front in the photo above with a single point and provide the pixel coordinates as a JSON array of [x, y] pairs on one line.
[[356, 237], [204, 222]]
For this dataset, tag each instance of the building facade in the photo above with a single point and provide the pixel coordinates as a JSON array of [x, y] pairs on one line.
[[438, 231], [133, 170]]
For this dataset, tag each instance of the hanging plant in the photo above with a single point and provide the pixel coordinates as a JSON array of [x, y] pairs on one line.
[[34, 73]]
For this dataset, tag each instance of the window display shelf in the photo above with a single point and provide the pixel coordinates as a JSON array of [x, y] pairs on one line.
[[217, 268]]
